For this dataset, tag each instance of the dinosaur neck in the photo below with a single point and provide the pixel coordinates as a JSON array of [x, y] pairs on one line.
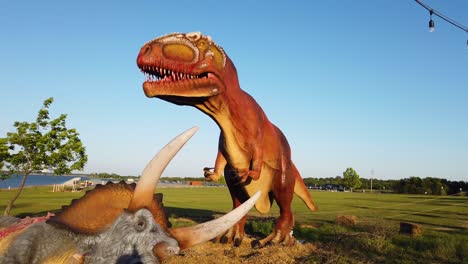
[[234, 110], [224, 107], [237, 114]]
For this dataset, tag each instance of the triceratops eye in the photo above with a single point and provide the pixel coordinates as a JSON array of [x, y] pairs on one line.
[[140, 224]]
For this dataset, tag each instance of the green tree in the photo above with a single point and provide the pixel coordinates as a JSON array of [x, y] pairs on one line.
[[351, 179], [4, 154], [42, 145]]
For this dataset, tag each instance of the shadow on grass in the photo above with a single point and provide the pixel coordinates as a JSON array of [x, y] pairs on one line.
[[440, 227], [196, 215], [438, 197], [19, 205], [461, 214], [36, 214]]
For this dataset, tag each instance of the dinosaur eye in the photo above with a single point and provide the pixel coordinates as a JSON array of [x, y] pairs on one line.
[[178, 52], [140, 224]]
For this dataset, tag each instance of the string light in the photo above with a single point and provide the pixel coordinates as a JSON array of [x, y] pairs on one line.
[[432, 11], [431, 22]]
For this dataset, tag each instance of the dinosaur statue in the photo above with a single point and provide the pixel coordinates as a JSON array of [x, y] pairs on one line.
[[113, 223], [190, 69]]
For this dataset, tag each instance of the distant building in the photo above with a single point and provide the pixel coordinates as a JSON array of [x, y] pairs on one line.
[[195, 183]]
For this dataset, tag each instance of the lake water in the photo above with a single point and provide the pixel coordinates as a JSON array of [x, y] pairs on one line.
[[38, 180]]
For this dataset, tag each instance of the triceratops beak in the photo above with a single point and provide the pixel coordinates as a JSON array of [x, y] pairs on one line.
[[144, 191], [193, 235]]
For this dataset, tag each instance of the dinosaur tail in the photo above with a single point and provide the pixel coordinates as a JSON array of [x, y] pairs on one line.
[[301, 190]]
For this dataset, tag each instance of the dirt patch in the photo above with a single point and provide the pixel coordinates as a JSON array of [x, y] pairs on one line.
[[310, 226], [443, 229], [464, 224], [227, 253]]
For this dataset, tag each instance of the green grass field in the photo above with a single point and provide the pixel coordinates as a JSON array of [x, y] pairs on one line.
[[434, 212], [374, 240]]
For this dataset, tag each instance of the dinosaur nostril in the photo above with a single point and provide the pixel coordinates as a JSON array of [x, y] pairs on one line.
[[146, 49]]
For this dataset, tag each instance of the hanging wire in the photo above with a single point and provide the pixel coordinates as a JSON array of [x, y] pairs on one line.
[[444, 17]]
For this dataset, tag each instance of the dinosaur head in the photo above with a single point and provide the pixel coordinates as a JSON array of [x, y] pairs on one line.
[[183, 67]]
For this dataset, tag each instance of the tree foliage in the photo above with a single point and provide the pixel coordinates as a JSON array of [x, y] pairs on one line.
[[351, 179], [46, 144], [4, 154], [430, 185]]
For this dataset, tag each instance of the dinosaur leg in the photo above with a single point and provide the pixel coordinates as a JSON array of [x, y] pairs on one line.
[[236, 233], [283, 191]]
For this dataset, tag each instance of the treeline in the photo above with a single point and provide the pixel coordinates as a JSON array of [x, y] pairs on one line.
[[411, 185], [114, 176], [186, 179], [103, 175], [429, 185], [384, 185], [181, 179]]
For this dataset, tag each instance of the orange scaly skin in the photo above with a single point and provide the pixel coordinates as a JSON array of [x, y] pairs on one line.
[[190, 69]]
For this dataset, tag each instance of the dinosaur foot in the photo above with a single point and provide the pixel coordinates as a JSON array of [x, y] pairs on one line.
[[231, 236], [276, 237]]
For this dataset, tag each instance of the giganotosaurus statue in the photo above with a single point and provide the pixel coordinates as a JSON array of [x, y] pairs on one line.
[[113, 223], [253, 154]]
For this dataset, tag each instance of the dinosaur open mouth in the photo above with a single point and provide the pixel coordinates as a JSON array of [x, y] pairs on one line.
[[161, 81], [158, 74]]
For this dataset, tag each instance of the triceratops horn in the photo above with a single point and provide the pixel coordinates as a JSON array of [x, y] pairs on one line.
[[144, 191], [192, 235]]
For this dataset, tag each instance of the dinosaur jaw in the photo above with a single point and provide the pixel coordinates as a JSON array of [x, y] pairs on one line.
[[165, 82]]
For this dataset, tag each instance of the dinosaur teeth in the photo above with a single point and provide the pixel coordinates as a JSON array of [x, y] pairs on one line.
[[161, 74]]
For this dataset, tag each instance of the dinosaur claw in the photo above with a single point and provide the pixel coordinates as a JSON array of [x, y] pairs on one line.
[[224, 240], [256, 244], [237, 242], [210, 175]]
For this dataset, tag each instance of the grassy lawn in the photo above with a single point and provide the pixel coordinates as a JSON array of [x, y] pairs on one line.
[[374, 240], [434, 212]]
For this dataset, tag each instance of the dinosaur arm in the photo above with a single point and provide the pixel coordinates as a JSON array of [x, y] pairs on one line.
[[257, 162], [220, 163]]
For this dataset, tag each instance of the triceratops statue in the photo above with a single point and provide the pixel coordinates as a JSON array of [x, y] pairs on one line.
[[113, 223]]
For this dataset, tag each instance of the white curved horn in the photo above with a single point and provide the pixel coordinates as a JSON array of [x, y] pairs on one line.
[[192, 235], [149, 178]]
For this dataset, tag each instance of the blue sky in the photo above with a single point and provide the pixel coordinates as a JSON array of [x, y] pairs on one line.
[[359, 84]]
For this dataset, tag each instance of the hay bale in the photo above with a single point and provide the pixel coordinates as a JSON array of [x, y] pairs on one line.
[[411, 229], [346, 220]]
